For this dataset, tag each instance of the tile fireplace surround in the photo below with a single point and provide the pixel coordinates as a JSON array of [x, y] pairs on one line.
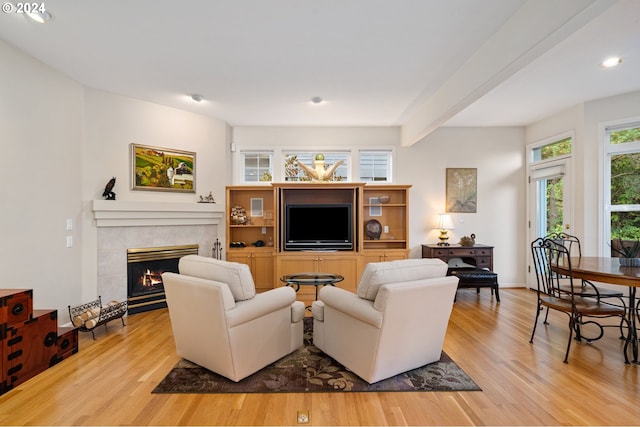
[[123, 225]]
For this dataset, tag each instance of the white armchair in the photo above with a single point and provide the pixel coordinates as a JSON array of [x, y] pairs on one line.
[[220, 323], [395, 322]]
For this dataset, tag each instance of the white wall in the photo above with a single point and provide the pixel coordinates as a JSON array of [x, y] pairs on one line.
[[315, 136], [61, 143], [586, 120], [596, 114], [41, 119], [498, 154], [320, 138], [113, 122]]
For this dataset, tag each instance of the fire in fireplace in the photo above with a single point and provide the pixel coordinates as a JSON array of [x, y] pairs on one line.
[[145, 290]]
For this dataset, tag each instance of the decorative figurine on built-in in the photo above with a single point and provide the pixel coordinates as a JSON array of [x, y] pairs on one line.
[[319, 172]]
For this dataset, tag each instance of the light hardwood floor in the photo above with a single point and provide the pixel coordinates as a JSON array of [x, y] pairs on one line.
[[109, 381]]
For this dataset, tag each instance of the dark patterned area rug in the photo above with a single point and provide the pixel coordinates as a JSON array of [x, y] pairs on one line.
[[310, 370]]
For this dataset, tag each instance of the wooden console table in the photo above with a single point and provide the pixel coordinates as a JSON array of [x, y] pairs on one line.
[[479, 255]]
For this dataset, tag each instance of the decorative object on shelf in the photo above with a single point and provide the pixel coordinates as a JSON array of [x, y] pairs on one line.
[[238, 215], [268, 217], [207, 199], [217, 249], [320, 172], [374, 206], [629, 255], [444, 225], [162, 169], [374, 229], [468, 240], [384, 199], [257, 206], [461, 189], [108, 193]]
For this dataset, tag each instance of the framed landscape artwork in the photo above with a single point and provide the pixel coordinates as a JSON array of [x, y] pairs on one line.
[[162, 169], [462, 187]]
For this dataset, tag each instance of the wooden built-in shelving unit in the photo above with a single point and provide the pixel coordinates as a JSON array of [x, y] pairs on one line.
[[270, 262]]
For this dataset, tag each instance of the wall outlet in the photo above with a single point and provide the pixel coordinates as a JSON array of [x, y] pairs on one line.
[[69, 241], [264, 230], [69, 224], [386, 228]]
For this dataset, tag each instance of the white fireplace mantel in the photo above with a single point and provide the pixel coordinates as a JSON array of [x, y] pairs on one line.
[[116, 213]]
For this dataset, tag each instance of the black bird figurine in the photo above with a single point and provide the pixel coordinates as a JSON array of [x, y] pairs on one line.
[[108, 190]]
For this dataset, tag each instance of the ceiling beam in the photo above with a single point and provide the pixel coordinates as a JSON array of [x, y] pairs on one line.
[[534, 29]]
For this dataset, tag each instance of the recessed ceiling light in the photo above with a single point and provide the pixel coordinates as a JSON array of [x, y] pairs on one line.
[[611, 62], [39, 15], [317, 100], [197, 98]]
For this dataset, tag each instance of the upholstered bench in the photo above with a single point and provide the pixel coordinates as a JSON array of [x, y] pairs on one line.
[[477, 278]]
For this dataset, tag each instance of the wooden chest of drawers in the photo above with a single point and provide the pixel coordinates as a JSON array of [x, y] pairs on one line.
[[30, 341], [67, 343], [479, 255], [16, 305], [29, 347]]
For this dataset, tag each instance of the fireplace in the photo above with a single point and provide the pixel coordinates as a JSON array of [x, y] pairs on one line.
[[145, 290]]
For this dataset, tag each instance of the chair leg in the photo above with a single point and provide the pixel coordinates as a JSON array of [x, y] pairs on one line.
[[576, 326], [572, 322], [535, 323]]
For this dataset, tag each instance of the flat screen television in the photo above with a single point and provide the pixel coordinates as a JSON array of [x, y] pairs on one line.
[[318, 226]]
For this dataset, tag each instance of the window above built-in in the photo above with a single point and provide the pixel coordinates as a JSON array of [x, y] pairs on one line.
[[319, 163], [256, 166], [375, 166]]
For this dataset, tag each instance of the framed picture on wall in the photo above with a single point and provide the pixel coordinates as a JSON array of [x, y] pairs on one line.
[[162, 169], [462, 190]]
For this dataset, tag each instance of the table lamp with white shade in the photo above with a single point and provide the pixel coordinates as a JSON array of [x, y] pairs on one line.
[[444, 225]]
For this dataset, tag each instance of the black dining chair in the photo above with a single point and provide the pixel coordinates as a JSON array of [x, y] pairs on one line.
[[588, 288], [559, 292]]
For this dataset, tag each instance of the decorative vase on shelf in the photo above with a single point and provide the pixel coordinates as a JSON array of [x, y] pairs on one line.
[[238, 215]]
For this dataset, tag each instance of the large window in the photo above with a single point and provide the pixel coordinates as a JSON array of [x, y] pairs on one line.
[[257, 166], [253, 165], [622, 182], [375, 166]]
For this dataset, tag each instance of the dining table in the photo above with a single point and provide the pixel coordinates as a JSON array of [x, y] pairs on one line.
[[608, 270]]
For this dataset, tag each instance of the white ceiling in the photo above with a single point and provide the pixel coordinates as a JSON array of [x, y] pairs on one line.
[[418, 64]]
